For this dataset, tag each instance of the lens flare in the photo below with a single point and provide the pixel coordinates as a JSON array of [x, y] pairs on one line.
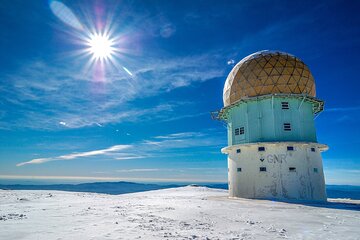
[[127, 71], [65, 14]]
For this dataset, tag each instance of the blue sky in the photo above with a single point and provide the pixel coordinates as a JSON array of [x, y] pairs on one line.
[[151, 122]]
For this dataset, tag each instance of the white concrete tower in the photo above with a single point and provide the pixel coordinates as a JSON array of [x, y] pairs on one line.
[[269, 108]]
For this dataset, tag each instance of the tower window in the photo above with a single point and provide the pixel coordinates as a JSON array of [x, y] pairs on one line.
[[238, 150], [261, 149], [284, 105], [313, 149], [287, 127], [290, 148], [292, 169], [242, 130], [316, 170], [262, 169], [239, 169], [239, 131]]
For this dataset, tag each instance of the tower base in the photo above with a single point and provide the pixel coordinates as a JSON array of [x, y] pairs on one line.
[[276, 170]]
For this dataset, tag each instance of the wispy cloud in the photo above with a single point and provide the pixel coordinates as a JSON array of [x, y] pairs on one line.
[[131, 156], [181, 135], [55, 96], [76, 155], [138, 170], [167, 30], [183, 116], [62, 123], [155, 147], [345, 114], [343, 109], [231, 62], [344, 118]]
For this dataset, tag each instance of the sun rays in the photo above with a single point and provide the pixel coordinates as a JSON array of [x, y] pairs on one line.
[[100, 45]]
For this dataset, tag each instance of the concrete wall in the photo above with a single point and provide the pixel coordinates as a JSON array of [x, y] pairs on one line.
[[263, 121], [278, 181]]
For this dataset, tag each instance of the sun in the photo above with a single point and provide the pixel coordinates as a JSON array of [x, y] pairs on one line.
[[100, 46], [102, 51]]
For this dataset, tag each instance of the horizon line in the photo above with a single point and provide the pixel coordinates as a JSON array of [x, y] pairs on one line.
[[113, 179], [29, 177]]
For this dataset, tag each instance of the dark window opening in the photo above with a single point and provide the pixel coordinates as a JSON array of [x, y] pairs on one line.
[[313, 149], [287, 127], [261, 149], [242, 130], [239, 131], [239, 169], [262, 169], [292, 169], [284, 105], [315, 170], [238, 150], [290, 148]]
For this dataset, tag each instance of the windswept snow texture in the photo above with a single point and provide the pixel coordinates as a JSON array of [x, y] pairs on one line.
[[178, 213]]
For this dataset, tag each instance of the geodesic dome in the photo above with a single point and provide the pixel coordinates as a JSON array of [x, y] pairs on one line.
[[268, 72]]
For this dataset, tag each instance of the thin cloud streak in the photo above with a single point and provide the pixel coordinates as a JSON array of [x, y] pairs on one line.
[[343, 109], [130, 157], [156, 147], [76, 155], [138, 170], [181, 135]]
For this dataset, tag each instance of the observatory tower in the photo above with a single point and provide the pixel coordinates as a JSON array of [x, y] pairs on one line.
[[269, 107]]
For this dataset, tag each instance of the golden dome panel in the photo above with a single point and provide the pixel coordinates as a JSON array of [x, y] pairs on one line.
[[268, 72]]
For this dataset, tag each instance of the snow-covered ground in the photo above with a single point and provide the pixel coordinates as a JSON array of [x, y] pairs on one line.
[[179, 213]]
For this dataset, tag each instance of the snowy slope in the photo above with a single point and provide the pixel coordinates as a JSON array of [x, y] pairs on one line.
[[179, 213]]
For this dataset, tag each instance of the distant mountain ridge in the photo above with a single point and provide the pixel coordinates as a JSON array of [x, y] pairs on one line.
[[333, 191], [95, 187]]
